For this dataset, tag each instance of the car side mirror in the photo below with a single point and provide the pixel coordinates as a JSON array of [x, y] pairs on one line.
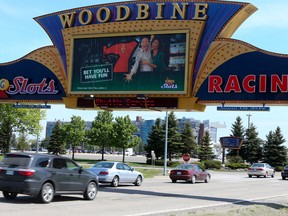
[[80, 170]]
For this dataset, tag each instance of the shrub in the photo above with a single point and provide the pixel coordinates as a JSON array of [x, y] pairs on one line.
[[279, 168], [161, 163], [235, 159], [210, 164], [237, 166]]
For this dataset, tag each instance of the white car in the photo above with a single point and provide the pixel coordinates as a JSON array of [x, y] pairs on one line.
[[261, 169], [116, 173]]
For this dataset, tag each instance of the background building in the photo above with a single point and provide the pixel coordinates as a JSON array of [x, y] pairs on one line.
[[144, 128]]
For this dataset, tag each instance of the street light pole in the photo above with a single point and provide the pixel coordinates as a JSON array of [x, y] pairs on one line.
[[166, 144], [249, 115], [37, 143]]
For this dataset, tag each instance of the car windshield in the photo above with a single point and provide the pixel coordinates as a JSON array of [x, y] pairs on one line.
[[103, 165], [185, 166], [16, 160]]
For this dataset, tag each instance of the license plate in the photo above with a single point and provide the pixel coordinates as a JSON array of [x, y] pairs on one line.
[[178, 173], [9, 172]]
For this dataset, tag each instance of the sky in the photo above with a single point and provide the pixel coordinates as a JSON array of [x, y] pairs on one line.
[[266, 29]]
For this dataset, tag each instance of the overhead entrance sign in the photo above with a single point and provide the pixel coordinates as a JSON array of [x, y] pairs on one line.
[[179, 49]]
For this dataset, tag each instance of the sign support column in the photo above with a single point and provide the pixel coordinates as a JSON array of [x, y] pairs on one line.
[[166, 140]]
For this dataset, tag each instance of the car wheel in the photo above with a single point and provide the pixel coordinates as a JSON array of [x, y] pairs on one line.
[[46, 193], [207, 179], [174, 181], [138, 181], [115, 181], [193, 179], [91, 191], [9, 195], [283, 178], [250, 176], [273, 174]]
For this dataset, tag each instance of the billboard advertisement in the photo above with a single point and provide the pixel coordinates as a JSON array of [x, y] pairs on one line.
[[153, 63]]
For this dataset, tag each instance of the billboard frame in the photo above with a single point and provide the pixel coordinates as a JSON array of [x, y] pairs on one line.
[[183, 93]]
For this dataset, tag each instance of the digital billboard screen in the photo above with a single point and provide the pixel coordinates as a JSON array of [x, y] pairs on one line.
[[231, 142], [125, 64]]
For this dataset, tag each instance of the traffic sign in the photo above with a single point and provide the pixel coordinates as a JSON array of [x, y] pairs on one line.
[[32, 106]]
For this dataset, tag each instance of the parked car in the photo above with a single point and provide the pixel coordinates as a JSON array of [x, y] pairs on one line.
[[44, 176], [116, 173], [261, 169], [284, 172], [189, 173]]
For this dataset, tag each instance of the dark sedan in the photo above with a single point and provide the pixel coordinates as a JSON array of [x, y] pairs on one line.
[[284, 172], [43, 176], [189, 173]]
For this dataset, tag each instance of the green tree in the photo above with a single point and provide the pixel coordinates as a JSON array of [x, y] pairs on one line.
[[174, 138], [237, 130], [189, 143], [140, 148], [23, 144], [205, 151], [124, 129], [136, 141], [74, 133], [101, 130], [156, 139], [56, 144], [274, 152], [14, 141], [252, 146], [45, 142], [18, 120]]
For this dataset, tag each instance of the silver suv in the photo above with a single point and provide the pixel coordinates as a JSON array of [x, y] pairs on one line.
[[44, 176]]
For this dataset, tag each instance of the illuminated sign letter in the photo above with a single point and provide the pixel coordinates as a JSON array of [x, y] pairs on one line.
[[143, 12], [277, 82], [200, 11], [159, 11], [246, 83], [214, 83], [232, 84], [262, 83], [85, 17], [68, 19], [123, 10], [100, 12], [181, 12]]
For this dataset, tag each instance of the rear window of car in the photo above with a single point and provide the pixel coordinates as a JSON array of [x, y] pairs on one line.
[[258, 165], [16, 160], [103, 165], [186, 166]]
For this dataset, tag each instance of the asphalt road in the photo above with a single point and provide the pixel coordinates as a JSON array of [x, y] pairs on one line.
[[156, 196]]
